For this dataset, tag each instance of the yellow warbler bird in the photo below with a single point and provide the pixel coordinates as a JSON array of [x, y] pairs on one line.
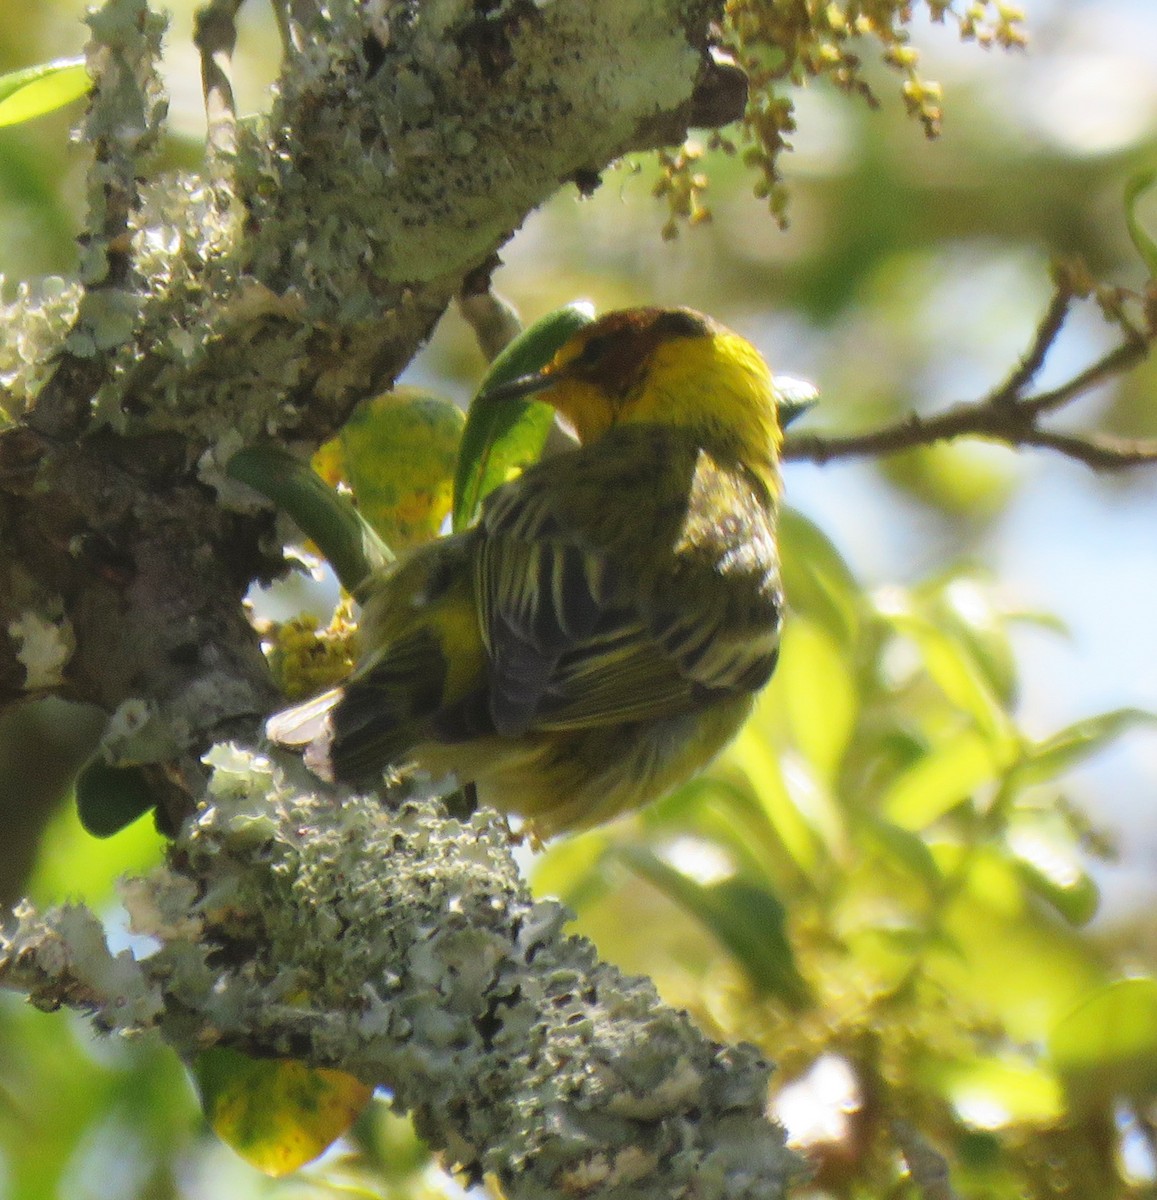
[[601, 632]]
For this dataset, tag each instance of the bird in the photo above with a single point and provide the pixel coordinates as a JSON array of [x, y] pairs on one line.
[[603, 629]]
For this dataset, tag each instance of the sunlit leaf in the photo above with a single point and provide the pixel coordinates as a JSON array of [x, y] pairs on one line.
[[817, 581], [502, 437], [902, 847], [754, 758], [963, 606], [949, 773], [277, 1114], [1008, 959], [1075, 897], [41, 89], [969, 478], [951, 663], [571, 869], [819, 695], [1051, 864], [397, 453], [748, 920], [1069, 747], [719, 808], [990, 1093], [1112, 1031]]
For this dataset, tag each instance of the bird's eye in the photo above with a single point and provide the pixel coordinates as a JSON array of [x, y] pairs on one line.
[[594, 351]]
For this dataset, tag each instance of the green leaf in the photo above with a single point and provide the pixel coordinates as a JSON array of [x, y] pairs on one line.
[[753, 756], [902, 847], [276, 1113], [972, 479], [819, 696], [948, 774], [397, 453], [1001, 1091], [1072, 745], [41, 89], [999, 955], [747, 918], [108, 799], [1050, 862], [1074, 896], [503, 437], [963, 607], [1112, 1032], [726, 812], [817, 581], [348, 542], [1135, 188], [953, 666]]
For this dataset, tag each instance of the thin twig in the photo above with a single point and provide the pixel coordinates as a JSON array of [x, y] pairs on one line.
[[1046, 333], [1096, 450], [215, 36], [494, 320], [281, 16], [63, 406], [1005, 414], [1118, 360]]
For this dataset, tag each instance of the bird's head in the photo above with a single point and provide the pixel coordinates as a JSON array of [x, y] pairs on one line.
[[664, 366]]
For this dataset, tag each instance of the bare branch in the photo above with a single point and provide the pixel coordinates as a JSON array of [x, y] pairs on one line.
[[1046, 334], [1120, 359], [926, 1165], [1005, 415], [494, 320], [122, 124], [215, 36], [1095, 450]]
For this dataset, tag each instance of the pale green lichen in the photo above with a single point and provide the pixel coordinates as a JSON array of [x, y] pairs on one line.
[[136, 732], [43, 648], [34, 324]]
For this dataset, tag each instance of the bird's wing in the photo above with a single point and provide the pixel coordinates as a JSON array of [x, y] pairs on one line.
[[586, 615]]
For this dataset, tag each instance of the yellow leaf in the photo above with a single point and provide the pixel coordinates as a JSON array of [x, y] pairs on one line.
[[397, 453], [276, 1113]]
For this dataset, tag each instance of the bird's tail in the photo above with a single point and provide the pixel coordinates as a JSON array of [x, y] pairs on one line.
[[352, 733]]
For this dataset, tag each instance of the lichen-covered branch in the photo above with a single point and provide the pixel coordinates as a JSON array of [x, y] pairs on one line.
[[123, 120], [1008, 414], [406, 950]]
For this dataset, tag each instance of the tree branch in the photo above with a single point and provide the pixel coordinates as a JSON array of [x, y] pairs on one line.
[[1047, 332], [1006, 415], [215, 36], [429, 969]]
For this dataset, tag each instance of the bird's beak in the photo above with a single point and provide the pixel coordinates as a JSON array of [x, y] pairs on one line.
[[793, 410], [793, 397], [522, 385]]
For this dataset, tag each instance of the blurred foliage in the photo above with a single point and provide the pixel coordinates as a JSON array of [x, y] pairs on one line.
[[888, 883], [884, 809]]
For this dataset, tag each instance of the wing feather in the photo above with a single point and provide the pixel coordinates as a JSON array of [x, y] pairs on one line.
[[605, 595]]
